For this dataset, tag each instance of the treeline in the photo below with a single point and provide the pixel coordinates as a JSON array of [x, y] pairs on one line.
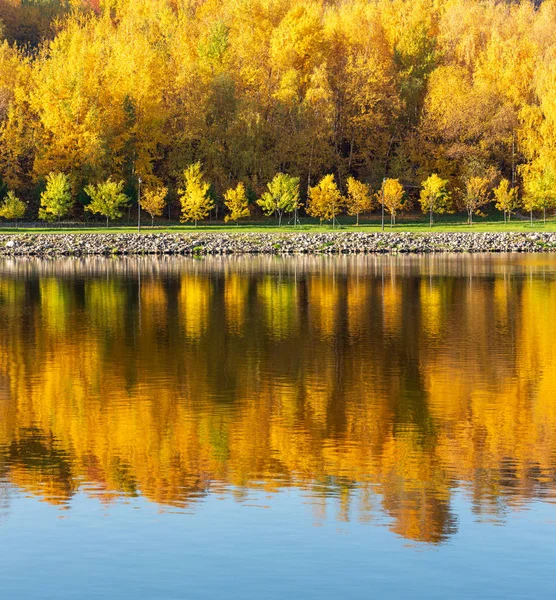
[[112, 91]]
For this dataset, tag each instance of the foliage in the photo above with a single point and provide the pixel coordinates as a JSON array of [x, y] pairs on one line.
[[475, 196], [97, 89], [282, 196], [435, 197], [359, 198], [153, 200], [12, 208], [393, 195], [107, 199], [506, 198], [539, 183], [194, 197], [237, 203], [57, 199], [325, 200]]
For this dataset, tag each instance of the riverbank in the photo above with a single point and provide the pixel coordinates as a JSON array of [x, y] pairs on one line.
[[212, 243]]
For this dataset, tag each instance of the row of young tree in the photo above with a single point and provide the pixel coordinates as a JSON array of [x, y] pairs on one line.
[[281, 197], [395, 89]]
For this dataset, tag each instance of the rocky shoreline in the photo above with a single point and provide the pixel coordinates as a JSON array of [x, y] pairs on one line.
[[217, 243]]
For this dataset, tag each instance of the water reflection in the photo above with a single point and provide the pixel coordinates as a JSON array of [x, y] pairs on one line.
[[378, 385]]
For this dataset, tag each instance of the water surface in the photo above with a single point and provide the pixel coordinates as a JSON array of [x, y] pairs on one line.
[[316, 427]]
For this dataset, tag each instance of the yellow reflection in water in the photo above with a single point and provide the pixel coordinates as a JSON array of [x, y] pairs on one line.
[[340, 392]]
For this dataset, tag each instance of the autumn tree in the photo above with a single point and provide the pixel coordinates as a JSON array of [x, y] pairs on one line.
[[539, 185], [107, 199], [236, 202], [475, 196], [324, 199], [153, 201], [358, 198], [435, 197], [282, 196], [57, 199], [393, 195], [507, 199], [12, 208], [194, 195]]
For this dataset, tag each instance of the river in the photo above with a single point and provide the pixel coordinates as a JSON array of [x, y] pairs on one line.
[[266, 427]]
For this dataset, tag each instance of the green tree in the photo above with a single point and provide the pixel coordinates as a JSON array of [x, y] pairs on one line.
[[12, 208], [282, 196], [195, 200], [107, 199], [434, 197], [56, 200], [325, 200], [359, 198], [506, 198], [236, 202]]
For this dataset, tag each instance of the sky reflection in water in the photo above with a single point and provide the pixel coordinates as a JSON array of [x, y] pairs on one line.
[[294, 413]]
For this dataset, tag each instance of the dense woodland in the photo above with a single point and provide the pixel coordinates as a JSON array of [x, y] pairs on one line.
[[128, 89]]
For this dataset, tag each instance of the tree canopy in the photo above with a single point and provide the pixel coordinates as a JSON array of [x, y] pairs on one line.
[[250, 88]]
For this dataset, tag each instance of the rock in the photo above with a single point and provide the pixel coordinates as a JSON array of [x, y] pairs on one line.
[[226, 243]]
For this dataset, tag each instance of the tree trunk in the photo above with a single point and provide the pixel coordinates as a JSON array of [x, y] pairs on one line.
[[531, 215], [357, 220], [430, 217], [106, 221], [152, 220], [544, 215], [279, 219]]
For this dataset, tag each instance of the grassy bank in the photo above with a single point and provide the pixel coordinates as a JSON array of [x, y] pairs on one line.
[[414, 226]]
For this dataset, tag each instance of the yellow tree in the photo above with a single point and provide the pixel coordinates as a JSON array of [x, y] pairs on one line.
[[434, 197], [506, 198], [325, 200], [153, 201], [12, 208], [194, 197], [539, 184], [475, 196], [236, 202], [359, 198], [392, 194]]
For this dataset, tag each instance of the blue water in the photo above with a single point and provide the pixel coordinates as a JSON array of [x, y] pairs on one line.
[[369, 427]]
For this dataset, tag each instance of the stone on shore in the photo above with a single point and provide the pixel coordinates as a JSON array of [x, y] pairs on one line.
[[210, 243]]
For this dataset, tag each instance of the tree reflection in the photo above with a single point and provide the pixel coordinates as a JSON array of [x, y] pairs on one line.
[[378, 385]]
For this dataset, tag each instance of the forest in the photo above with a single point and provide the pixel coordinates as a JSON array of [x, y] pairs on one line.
[[251, 107]]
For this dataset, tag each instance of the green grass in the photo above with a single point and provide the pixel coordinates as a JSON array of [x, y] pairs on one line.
[[446, 224]]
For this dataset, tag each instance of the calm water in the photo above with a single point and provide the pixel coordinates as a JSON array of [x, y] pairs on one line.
[[264, 428]]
